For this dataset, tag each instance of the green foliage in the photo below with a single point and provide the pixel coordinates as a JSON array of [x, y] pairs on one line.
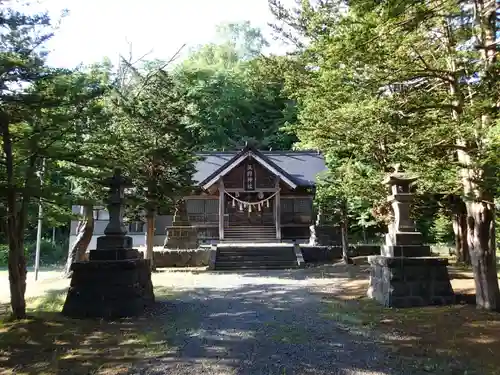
[[48, 123], [4, 255], [52, 123], [155, 146], [233, 94], [50, 254], [385, 83], [442, 229]]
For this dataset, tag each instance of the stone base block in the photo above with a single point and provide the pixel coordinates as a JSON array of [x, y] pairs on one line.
[[410, 282], [115, 254], [404, 238], [181, 238], [114, 242], [182, 258], [109, 289], [406, 251]]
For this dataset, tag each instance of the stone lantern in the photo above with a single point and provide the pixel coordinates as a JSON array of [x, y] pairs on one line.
[[402, 237], [405, 274], [116, 281]]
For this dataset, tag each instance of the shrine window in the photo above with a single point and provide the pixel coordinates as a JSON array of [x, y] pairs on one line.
[[296, 210], [136, 227], [100, 214], [202, 210]]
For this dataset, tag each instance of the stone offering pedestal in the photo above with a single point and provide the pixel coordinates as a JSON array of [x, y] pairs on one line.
[[405, 275], [410, 281], [181, 235], [116, 281], [109, 289]]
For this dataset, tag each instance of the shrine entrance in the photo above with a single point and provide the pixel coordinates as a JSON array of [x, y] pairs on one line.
[[250, 208]]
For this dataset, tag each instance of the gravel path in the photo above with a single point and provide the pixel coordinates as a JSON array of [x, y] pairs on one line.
[[265, 322]]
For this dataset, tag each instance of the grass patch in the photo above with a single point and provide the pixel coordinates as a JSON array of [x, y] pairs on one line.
[[52, 301], [452, 338], [49, 343]]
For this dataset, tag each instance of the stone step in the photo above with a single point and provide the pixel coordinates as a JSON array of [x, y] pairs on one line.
[[246, 257], [261, 266], [250, 235], [246, 240], [252, 260], [249, 232], [253, 252], [249, 226], [252, 229], [254, 249], [256, 257]]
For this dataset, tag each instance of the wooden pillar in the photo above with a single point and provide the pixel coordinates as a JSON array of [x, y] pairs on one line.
[[277, 210], [221, 209]]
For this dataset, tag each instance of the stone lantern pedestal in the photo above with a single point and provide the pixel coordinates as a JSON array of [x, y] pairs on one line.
[[181, 235], [405, 274], [116, 281]]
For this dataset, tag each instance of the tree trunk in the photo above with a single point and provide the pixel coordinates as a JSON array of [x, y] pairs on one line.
[[459, 219], [15, 230], [481, 235], [150, 222], [343, 233], [479, 204], [84, 231], [479, 196], [17, 279]]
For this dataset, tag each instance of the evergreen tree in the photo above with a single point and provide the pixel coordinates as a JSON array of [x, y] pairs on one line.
[[413, 83], [156, 145], [41, 112]]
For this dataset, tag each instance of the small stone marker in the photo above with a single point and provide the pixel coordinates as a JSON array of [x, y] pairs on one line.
[[405, 275], [116, 281]]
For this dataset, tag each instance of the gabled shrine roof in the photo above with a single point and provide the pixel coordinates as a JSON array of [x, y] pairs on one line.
[[301, 167]]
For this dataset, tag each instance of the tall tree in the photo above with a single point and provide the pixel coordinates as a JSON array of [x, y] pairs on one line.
[[38, 106], [150, 116], [233, 94], [411, 82], [94, 158]]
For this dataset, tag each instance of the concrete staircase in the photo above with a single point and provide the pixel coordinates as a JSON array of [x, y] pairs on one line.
[[250, 234], [255, 256]]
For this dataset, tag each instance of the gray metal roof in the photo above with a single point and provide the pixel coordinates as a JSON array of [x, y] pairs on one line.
[[302, 166]]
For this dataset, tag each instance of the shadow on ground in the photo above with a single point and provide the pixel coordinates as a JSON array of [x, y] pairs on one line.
[[49, 343], [460, 334], [267, 323]]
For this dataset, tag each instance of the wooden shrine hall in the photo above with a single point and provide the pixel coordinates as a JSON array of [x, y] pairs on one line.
[[254, 196]]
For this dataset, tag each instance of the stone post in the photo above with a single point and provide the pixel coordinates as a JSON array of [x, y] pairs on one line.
[[405, 274], [116, 281]]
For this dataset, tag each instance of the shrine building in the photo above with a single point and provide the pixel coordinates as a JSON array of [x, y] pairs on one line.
[[241, 196]]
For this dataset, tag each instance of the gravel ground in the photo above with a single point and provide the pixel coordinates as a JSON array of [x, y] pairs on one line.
[[265, 322], [47, 279]]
